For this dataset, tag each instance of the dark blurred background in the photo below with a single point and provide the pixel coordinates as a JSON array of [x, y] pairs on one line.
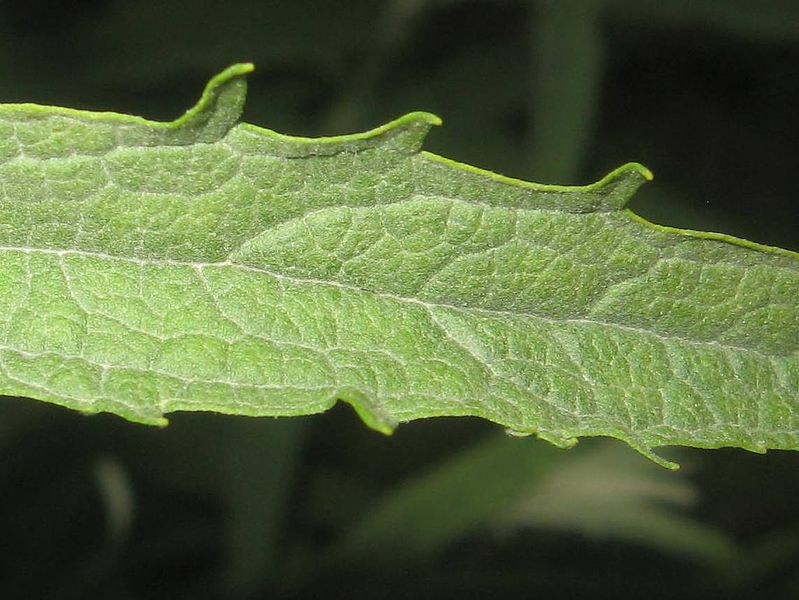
[[704, 93]]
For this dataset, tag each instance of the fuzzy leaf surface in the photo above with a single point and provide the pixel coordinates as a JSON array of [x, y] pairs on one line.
[[208, 264]]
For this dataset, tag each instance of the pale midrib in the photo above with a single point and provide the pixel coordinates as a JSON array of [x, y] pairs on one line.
[[428, 306]]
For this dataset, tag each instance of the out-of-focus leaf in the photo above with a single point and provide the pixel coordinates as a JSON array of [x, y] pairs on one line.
[[423, 515], [613, 494]]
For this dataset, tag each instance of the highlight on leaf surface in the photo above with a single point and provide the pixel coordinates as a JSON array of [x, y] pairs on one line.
[[207, 264]]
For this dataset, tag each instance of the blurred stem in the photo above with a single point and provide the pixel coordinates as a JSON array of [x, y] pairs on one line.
[[259, 467], [567, 62]]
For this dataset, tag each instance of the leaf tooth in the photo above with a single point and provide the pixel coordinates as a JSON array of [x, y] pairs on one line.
[[609, 194], [649, 453], [621, 184], [369, 412], [403, 136], [408, 133], [217, 110]]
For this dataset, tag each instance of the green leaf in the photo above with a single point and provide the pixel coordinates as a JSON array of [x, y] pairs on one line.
[[207, 264]]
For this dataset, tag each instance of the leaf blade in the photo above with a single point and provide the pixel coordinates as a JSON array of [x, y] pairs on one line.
[[208, 265]]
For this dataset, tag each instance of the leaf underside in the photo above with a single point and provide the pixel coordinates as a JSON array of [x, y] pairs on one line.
[[208, 264]]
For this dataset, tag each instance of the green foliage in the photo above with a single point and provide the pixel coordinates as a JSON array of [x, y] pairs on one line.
[[209, 265], [229, 507]]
